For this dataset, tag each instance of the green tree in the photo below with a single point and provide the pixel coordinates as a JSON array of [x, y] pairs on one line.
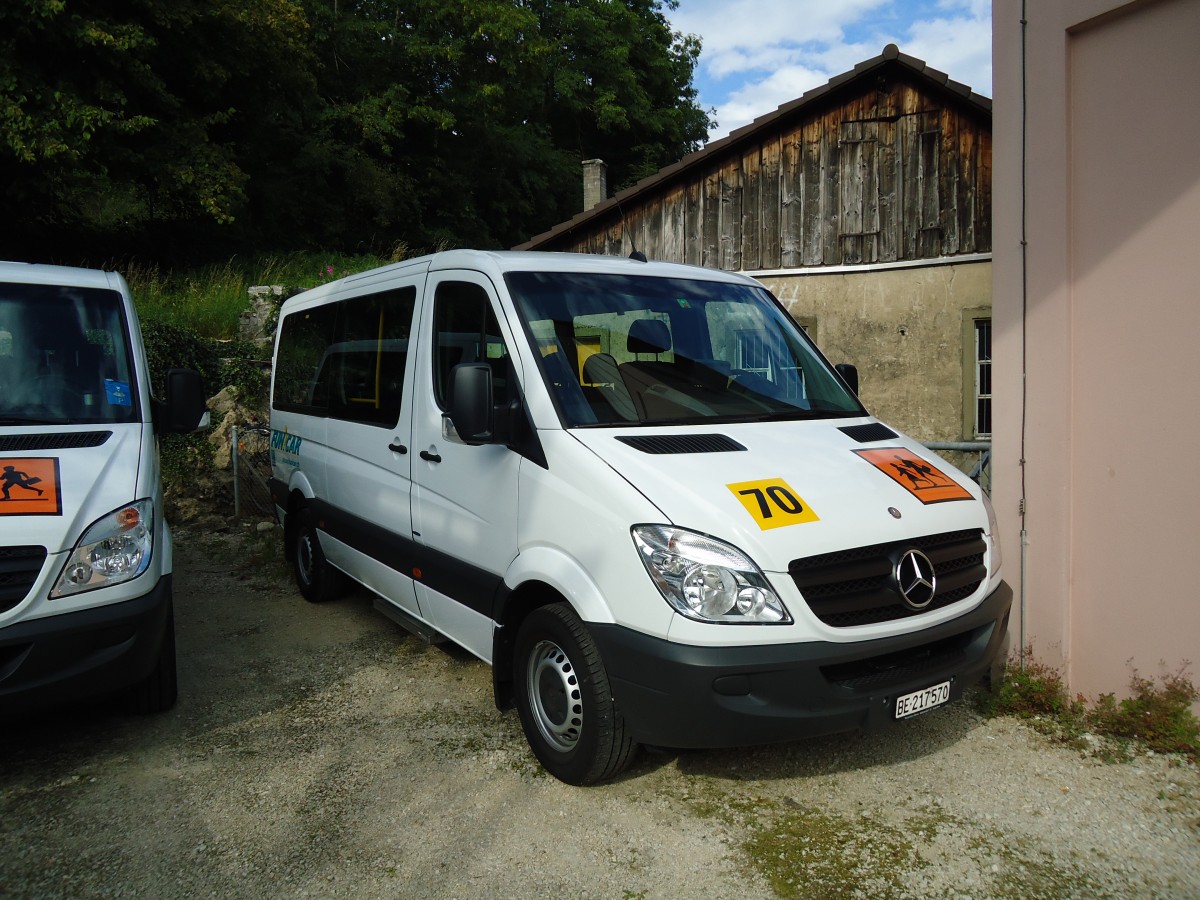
[[484, 109], [155, 127], [125, 117]]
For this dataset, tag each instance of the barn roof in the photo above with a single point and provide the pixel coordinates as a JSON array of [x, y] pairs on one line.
[[889, 61]]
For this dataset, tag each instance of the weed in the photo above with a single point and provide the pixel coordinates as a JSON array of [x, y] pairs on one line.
[[1156, 716], [208, 301], [806, 852], [1032, 690], [261, 555]]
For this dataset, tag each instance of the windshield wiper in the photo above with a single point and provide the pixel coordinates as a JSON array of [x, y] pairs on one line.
[[788, 415], [23, 420]]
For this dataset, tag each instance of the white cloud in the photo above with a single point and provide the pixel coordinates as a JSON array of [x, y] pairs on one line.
[[761, 97], [962, 48], [745, 35], [758, 54]]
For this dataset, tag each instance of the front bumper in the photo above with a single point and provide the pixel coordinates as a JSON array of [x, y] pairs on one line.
[[73, 656], [678, 695]]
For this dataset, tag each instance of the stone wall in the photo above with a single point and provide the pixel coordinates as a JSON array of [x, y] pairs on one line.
[[903, 329]]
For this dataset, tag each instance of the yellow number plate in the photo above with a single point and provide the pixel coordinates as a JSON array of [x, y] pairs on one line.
[[772, 503]]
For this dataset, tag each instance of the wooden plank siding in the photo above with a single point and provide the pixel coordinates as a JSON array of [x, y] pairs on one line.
[[899, 171]]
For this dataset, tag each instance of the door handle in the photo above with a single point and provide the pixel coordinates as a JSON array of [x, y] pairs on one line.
[[430, 457], [397, 447]]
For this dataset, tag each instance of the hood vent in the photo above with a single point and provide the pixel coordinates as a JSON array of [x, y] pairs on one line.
[[865, 434], [683, 443], [71, 440]]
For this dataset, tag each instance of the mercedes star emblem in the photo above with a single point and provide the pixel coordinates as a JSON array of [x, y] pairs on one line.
[[915, 579]]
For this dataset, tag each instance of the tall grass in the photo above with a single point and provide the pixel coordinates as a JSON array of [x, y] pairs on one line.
[[207, 301]]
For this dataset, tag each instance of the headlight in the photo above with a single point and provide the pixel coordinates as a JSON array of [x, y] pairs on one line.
[[115, 549], [993, 532], [706, 579]]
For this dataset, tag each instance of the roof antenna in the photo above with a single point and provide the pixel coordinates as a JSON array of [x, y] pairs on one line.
[[637, 254]]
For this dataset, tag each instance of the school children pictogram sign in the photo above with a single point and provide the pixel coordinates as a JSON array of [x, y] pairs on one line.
[[922, 479], [30, 487]]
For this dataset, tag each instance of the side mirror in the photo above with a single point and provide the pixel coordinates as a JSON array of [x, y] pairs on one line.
[[849, 375], [471, 402], [184, 409]]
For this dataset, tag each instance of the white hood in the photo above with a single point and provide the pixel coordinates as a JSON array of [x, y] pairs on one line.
[[92, 481], [797, 489]]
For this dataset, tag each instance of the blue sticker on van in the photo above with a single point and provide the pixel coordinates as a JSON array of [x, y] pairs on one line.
[[117, 393], [285, 445]]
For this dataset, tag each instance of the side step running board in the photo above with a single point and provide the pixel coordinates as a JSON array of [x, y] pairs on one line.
[[423, 630]]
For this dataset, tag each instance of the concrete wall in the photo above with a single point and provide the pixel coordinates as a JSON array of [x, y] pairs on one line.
[[903, 329], [1097, 321]]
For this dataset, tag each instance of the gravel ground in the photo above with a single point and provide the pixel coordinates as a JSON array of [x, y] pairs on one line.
[[319, 751]]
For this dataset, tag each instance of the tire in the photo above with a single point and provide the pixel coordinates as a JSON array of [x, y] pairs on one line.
[[563, 697], [318, 581], [160, 689]]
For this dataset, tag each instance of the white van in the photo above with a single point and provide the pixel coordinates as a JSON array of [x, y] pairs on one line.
[[85, 554], [638, 491]]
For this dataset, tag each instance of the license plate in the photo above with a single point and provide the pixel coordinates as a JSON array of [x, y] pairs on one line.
[[919, 701]]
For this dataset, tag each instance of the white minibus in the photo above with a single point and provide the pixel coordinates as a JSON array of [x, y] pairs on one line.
[[638, 491], [85, 552]]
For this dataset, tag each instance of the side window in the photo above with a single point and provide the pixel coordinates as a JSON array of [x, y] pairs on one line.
[[466, 331], [347, 359], [751, 344], [983, 378], [303, 339], [977, 374], [364, 367]]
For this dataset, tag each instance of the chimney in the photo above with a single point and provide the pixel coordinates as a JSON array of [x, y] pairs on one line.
[[595, 183]]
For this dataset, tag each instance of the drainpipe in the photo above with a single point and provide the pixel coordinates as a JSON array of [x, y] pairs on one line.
[[1023, 509]]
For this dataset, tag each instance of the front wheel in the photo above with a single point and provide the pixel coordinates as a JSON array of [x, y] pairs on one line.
[[563, 698], [317, 579]]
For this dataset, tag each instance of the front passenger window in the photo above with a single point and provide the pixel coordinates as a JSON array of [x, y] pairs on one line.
[[466, 331]]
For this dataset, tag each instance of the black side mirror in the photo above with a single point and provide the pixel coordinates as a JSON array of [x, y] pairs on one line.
[[471, 402], [184, 408], [849, 375]]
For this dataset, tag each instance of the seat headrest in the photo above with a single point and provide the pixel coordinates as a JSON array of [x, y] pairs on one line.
[[649, 336], [600, 368]]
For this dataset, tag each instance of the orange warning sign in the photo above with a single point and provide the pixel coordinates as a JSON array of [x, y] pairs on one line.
[[922, 479], [30, 487]]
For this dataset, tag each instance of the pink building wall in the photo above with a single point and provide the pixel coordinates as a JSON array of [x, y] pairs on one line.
[[1096, 339]]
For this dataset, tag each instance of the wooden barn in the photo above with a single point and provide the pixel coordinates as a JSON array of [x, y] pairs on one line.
[[865, 206]]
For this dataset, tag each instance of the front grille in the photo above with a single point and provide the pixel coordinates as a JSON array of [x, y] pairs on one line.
[[881, 672], [856, 587], [19, 568]]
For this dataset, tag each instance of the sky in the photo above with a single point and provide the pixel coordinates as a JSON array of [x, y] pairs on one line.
[[759, 54]]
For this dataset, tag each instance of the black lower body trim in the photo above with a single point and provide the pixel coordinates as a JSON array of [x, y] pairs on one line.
[[61, 659], [476, 588], [678, 695]]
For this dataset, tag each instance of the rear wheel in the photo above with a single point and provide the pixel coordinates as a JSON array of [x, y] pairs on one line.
[[563, 698], [317, 579]]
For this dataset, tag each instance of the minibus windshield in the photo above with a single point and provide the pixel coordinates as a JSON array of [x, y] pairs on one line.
[[638, 349], [64, 356]]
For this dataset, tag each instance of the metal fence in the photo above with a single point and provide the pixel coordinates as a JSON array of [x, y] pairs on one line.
[[973, 457], [250, 455]]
